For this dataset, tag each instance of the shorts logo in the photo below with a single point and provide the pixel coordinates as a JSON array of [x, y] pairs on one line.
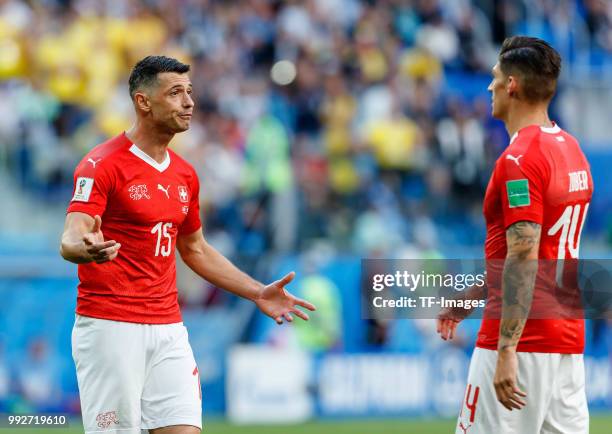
[[518, 193], [183, 196], [185, 209], [83, 189], [106, 419], [464, 428], [138, 192]]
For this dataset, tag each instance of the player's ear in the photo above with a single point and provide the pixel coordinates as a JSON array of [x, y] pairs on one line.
[[142, 102], [512, 86]]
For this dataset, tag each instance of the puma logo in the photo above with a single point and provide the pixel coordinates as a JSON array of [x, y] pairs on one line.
[[464, 428], [165, 190], [513, 158], [93, 163]]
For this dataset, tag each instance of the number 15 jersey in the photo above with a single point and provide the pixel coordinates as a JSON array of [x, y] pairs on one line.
[[144, 205], [542, 177]]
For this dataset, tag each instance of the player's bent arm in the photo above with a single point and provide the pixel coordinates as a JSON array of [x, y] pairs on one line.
[[83, 242], [272, 299], [518, 281], [211, 265]]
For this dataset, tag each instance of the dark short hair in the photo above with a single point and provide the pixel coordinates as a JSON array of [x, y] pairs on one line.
[[145, 71], [535, 62]]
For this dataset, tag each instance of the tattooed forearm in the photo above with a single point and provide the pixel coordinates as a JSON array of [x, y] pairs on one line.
[[523, 239], [518, 281], [517, 286]]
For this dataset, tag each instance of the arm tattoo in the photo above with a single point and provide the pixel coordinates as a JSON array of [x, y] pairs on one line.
[[518, 280], [522, 237]]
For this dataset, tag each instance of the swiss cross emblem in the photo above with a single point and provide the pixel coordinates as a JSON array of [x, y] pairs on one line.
[[183, 196]]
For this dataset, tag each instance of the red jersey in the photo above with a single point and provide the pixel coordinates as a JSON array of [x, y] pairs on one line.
[[542, 177], [144, 205]]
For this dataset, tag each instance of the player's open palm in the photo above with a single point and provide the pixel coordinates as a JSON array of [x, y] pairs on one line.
[[97, 249], [276, 302]]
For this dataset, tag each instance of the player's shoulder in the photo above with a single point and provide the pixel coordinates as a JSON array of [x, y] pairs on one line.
[[520, 148], [541, 138], [536, 144], [526, 155], [524, 140], [180, 163], [554, 144], [101, 156]]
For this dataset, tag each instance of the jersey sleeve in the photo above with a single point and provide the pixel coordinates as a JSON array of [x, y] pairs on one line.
[[192, 222], [523, 180], [92, 186]]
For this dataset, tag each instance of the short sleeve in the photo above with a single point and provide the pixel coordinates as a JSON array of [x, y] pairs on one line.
[[192, 222], [92, 186], [523, 180]]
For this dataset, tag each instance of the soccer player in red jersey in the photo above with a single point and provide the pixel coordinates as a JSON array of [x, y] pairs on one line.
[[535, 207], [135, 201]]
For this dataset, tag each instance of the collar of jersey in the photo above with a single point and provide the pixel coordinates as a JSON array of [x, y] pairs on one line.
[[147, 158], [550, 130]]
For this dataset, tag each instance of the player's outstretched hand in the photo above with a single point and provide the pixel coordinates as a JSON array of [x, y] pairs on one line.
[[97, 249], [276, 302], [448, 319], [505, 381], [446, 324]]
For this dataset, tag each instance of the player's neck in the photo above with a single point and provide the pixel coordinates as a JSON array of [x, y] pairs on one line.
[[150, 140], [521, 117]]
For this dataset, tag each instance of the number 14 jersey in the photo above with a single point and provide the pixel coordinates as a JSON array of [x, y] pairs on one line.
[[542, 177], [144, 205]]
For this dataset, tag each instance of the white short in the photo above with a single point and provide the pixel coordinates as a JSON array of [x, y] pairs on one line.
[[556, 399], [135, 377]]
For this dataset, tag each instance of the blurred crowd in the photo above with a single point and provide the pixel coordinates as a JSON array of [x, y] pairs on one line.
[[321, 127], [317, 121]]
